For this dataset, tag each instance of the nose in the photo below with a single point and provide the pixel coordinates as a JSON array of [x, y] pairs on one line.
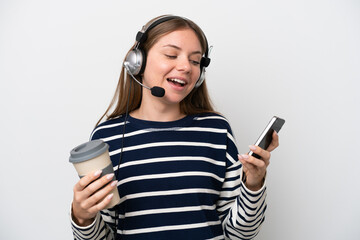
[[183, 64]]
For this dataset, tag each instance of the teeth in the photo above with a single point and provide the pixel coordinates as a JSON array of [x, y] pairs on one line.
[[177, 81]]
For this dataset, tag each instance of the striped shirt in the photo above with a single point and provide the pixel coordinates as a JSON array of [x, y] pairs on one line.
[[177, 180]]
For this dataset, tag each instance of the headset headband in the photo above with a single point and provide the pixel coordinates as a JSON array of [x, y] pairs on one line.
[[141, 36]]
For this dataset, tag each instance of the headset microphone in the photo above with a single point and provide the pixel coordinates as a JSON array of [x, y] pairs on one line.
[[155, 91]]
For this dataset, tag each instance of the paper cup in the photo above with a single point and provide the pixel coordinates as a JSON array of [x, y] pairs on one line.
[[91, 156]]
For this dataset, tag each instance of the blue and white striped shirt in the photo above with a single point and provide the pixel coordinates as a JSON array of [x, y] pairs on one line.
[[177, 180]]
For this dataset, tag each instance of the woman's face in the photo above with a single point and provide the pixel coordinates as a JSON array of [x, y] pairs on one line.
[[173, 63]]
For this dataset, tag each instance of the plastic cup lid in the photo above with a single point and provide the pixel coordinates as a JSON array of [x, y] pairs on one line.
[[87, 151]]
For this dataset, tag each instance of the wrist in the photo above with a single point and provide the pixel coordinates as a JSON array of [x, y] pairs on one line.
[[81, 222], [255, 187], [251, 185]]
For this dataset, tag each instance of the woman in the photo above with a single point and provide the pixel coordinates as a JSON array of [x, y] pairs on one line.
[[174, 158]]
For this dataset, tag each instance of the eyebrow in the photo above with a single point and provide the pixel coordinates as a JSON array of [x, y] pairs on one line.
[[178, 48]]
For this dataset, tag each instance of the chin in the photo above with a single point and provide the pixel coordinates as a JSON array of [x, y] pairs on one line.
[[173, 99]]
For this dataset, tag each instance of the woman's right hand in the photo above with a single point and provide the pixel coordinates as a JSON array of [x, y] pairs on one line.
[[90, 197]]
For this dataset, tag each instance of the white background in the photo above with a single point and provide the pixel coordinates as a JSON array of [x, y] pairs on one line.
[[300, 60]]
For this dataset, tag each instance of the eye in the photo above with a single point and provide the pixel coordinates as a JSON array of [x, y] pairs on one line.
[[170, 56], [195, 62]]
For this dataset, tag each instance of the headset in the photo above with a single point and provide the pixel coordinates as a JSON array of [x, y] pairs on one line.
[[135, 61]]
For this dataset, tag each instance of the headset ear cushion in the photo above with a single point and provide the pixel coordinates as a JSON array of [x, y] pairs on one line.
[[201, 78], [136, 61], [205, 61], [143, 63]]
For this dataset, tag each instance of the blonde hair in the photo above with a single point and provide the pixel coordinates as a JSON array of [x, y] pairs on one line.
[[197, 101]]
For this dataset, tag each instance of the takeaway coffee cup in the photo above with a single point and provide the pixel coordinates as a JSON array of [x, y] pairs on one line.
[[91, 156]]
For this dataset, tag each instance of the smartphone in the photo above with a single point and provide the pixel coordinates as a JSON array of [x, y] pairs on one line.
[[265, 138]]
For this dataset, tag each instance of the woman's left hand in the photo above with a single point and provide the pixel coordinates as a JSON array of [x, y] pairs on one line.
[[254, 168]]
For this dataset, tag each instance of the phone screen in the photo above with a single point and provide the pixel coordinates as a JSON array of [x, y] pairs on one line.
[[265, 138], [265, 142]]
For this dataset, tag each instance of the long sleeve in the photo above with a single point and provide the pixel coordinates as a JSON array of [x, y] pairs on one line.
[[241, 210], [98, 230]]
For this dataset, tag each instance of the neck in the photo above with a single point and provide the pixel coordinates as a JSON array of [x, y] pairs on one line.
[[154, 109]]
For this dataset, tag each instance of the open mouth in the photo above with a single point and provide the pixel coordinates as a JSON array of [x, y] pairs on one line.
[[176, 81]]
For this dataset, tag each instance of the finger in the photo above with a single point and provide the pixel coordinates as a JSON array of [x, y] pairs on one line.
[[242, 160], [98, 184], [274, 143], [102, 204], [255, 169], [265, 155], [85, 181], [246, 165], [254, 162], [99, 195]]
